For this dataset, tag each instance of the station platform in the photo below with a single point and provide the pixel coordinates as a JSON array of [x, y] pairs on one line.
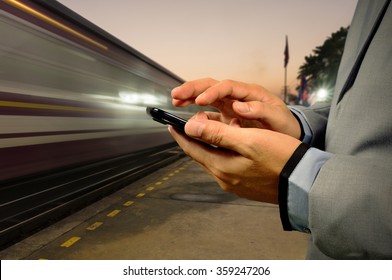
[[176, 213]]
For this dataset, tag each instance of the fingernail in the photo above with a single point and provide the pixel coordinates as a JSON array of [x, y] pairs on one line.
[[194, 128], [242, 107]]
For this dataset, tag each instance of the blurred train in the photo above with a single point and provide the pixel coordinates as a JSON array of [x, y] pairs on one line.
[[71, 95]]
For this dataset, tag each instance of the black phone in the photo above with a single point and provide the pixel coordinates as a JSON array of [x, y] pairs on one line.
[[167, 118]]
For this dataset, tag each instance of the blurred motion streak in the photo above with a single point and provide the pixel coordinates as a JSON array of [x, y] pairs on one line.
[[73, 125], [53, 22]]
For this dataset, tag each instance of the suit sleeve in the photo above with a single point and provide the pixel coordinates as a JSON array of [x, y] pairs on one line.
[[350, 215], [316, 118], [350, 200]]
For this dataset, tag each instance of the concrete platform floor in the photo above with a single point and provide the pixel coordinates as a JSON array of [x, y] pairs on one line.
[[178, 212]]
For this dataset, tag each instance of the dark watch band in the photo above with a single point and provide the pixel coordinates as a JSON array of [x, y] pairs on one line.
[[284, 182]]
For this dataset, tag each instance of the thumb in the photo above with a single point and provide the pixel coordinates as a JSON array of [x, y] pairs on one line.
[[217, 133]]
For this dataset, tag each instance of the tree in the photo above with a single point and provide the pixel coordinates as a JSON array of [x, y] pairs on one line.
[[320, 68]]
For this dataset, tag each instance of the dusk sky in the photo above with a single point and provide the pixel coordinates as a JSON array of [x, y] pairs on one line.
[[223, 39]]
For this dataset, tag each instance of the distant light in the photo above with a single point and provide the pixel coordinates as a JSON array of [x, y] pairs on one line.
[[128, 97], [141, 98], [322, 94]]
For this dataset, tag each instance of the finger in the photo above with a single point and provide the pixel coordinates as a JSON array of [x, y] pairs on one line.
[[190, 90], [213, 116], [200, 116], [231, 89], [208, 115], [278, 118], [235, 123], [182, 103], [253, 110]]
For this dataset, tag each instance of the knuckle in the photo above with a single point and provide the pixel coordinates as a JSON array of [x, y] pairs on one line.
[[227, 84], [227, 81], [215, 136], [210, 80]]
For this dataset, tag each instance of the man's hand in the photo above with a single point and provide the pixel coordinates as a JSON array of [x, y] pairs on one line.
[[252, 105], [247, 162]]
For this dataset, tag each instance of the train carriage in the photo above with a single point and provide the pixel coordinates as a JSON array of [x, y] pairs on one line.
[[72, 113]]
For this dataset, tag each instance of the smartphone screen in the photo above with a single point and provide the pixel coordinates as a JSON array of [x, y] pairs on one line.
[[167, 118]]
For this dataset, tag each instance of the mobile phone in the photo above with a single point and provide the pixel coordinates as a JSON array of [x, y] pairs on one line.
[[167, 118]]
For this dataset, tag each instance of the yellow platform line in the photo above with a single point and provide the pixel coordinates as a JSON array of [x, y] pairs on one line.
[[70, 241], [140, 194], [128, 203], [94, 226], [113, 213]]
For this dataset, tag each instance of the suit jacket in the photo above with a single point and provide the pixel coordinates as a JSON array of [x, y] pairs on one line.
[[350, 203]]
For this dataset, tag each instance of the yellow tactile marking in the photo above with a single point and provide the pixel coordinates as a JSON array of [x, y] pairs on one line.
[[70, 241], [128, 203], [94, 226], [140, 194], [113, 213]]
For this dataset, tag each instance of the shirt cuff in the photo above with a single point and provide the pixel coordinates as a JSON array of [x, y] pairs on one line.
[[306, 131], [300, 183]]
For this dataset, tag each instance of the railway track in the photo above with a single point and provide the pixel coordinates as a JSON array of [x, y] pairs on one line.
[[30, 204]]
